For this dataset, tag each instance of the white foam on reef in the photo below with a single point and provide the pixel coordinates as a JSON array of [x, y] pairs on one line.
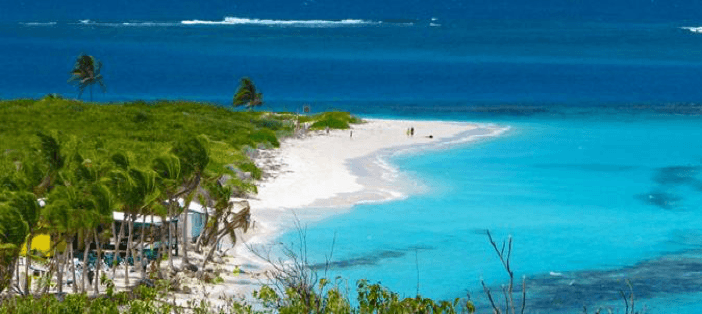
[[38, 23], [234, 21], [294, 23], [693, 29], [148, 24]]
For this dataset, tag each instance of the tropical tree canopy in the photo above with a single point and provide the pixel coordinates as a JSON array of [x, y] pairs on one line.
[[246, 95], [86, 73]]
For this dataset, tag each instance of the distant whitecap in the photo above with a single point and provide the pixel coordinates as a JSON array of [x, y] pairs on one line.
[[38, 23], [146, 24], [268, 22], [693, 29]]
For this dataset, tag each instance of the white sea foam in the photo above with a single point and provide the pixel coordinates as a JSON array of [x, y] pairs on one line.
[[434, 24], [693, 29], [148, 24], [38, 23], [233, 21], [294, 23], [494, 131], [128, 24]]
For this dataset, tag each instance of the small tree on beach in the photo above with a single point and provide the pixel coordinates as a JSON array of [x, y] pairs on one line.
[[247, 95], [86, 73]]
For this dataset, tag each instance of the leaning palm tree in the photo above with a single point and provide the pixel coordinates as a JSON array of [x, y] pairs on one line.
[[86, 73], [246, 95]]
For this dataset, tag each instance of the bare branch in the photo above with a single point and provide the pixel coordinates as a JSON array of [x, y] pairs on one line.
[[507, 299], [523, 293], [489, 295], [626, 302]]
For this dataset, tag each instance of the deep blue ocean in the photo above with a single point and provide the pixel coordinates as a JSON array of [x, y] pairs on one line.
[[597, 180]]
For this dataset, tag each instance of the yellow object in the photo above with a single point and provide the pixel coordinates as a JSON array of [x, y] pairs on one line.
[[40, 242]]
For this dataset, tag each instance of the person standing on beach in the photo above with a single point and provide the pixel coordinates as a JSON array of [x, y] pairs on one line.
[[412, 131]]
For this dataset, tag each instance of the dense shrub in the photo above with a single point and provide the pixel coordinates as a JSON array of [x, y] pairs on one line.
[[252, 168], [333, 120], [143, 128], [265, 136], [331, 123], [269, 124]]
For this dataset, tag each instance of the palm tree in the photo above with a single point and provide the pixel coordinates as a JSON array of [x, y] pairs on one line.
[[86, 73], [194, 158], [29, 208], [246, 95], [13, 232], [168, 179], [138, 194], [224, 221]]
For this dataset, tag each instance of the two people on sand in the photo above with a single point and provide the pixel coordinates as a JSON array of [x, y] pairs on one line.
[[410, 131]]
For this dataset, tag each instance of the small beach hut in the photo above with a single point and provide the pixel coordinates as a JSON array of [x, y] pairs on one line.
[[142, 222], [40, 242], [197, 218]]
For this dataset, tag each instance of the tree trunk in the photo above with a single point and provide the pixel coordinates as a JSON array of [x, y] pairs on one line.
[[198, 243], [43, 288], [17, 270], [84, 278], [161, 248], [170, 244], [142, 265], [118, 239], [7, 272], [73, 269], [98, 263], [55, 266], [27, 261], [152, 231], [184, 245], [171, 230], [59, 270], [212, 250], [129, 248]]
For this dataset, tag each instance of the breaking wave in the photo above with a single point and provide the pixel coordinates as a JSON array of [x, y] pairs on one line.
[[243, 21], [38, 23], [694, 29], [294, 23]]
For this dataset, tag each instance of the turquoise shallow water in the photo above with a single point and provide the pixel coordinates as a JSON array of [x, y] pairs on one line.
[[596, 199]]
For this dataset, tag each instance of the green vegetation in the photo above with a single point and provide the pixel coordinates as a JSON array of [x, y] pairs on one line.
[[66, 166], [84, 161], [332, 120], [246, 95], [371, 298], [140, 130], [86, 73]]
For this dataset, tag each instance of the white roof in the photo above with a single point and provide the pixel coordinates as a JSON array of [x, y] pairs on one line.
[[195, 207], [144, 219]]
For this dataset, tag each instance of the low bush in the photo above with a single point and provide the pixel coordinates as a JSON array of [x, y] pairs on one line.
[[265, 136], [331, 123], [252, 168]]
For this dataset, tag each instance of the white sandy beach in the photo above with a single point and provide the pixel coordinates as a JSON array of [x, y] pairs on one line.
[[320, 174], [345, 167]]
